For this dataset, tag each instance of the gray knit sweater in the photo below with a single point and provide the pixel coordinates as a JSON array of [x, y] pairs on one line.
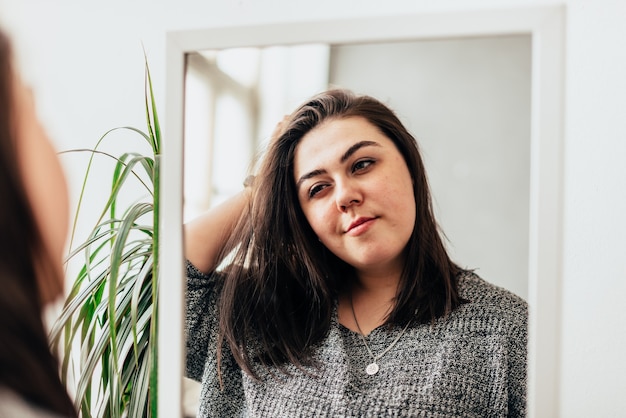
[[471, 364]]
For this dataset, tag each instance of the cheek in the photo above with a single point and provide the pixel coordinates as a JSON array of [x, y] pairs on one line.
[[46, 187], [319, 219], [48, 193], [400, 195]]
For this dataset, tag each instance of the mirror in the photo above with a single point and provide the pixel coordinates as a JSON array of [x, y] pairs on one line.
[[471, 99], [466, 100]]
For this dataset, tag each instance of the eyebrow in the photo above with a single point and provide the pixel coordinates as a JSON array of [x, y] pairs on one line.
[[354, 148]]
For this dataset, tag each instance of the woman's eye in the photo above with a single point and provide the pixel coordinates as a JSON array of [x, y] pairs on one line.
[[316, 189], [362, 165]]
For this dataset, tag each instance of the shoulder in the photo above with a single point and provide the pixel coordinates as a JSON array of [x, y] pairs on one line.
[[477, 290], [486, 300], [194, 273], [199, 280]]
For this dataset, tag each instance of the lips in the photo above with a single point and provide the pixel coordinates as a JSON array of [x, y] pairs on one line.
[[356, 226]]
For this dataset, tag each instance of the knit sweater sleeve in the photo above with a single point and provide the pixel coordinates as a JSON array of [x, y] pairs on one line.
[[511, 312], [517, 346], [222, 391], [200, 319]]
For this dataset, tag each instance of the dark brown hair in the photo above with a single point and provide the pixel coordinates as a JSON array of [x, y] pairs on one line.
[[27, 366], [278, 296]]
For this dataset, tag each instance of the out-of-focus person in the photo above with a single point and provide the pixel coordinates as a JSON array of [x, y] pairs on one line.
[[33, 229]]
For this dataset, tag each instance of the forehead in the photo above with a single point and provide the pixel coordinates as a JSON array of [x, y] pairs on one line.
[[327, 142]]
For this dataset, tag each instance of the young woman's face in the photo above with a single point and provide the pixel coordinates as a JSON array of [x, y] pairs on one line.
[[43, 179], [355, 190]]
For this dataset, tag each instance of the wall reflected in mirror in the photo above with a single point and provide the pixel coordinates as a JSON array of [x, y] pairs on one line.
[[233, 100]]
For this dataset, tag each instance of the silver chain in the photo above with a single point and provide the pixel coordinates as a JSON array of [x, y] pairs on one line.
[[372, 368]]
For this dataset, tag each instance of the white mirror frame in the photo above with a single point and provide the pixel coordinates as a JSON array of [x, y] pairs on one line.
[[545, 25]]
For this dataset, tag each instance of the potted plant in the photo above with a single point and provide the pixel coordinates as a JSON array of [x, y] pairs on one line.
[[107, 329]]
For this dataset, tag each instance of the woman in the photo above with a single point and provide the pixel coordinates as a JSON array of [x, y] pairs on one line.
[[33, 225], [339, 298]]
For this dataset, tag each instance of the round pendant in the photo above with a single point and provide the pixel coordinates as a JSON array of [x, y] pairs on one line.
[[372, 369]]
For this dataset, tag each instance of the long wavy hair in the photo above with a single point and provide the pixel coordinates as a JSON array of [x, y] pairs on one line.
[[27, 366], [279, 293]]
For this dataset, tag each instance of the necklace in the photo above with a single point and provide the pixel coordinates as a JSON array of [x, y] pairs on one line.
[[373, 367]]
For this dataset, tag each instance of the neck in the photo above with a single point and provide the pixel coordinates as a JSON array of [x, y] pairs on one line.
[[372, 297], [377, 285]]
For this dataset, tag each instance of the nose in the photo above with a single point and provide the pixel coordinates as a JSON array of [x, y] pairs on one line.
[[347, 195]]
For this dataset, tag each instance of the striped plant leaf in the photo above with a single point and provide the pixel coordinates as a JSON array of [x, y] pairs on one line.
[[107, 330]]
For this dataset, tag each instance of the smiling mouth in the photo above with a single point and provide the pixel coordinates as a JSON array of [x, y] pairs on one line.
[[358, 223]]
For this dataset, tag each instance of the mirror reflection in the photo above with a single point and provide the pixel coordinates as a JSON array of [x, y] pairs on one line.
[[466, 101]]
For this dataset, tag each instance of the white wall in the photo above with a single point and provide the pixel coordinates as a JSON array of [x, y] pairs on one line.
[[85, 63]]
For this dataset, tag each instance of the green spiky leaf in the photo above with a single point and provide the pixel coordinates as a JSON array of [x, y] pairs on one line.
[[107, 330]]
